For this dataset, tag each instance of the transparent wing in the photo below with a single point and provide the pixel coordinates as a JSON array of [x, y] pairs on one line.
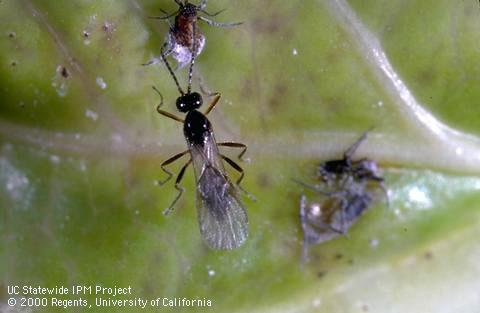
[[222, 218]]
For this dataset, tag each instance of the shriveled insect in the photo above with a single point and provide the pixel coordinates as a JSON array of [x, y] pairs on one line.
[[354, 186], [332, 217], [222, 218], [184, 32]]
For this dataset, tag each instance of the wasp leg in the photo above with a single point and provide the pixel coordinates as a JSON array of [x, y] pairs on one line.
[[236, 145], [214, 102], [178, 187], [239, 180], [165, 163]]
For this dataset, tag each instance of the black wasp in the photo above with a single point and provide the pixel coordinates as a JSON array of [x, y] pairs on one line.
[[222, 218], [351, 196], [184, 32]]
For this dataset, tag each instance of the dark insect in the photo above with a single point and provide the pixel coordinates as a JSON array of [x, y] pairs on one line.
[[351, 196], [184, 32], [222, 218], [363, 169]]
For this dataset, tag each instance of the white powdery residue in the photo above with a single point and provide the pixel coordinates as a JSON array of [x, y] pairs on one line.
[[419, 198], [316, 303], [5, 308], [83, 165], [101, 82], [16, 181], [55, 159], [294, 51], [380, 103], [374, 243], [117, 138], [211, 273], [91, 114], [17, 185]]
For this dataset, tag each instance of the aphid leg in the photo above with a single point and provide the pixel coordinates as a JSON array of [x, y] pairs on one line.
[[164, 17], [211, 14], [385, 191], [165, 113], [178, 187], [343, 227], [166, 50], [319, 190], [236, 145], [165, 163], [202, 5], [323, 225], [303, 224], [213, 23], [155, 60], [180, 3], [351, 150], [239, 180], [214, 102]]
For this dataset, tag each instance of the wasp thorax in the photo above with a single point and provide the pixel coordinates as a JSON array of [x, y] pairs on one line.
[[189, 102]]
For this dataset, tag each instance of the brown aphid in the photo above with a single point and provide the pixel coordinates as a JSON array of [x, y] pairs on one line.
[[184, 35]]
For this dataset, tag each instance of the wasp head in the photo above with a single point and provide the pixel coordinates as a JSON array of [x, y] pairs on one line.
[[189, 102]]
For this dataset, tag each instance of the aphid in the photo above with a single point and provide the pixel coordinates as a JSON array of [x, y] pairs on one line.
[[333, 217], [221, 215], [352, 195], [184, 32]]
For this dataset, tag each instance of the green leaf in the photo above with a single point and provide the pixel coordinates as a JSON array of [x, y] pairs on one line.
[[81, 146]]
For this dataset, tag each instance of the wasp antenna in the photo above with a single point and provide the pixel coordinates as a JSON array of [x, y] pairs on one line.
[[164, 59], [192, 62], [160, 94]]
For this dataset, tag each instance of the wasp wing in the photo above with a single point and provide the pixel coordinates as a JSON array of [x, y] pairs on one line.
[[222, 218]]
